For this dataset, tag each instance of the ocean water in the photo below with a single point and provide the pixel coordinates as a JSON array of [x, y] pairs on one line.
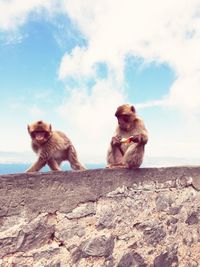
[[12, 168], [9, 168]]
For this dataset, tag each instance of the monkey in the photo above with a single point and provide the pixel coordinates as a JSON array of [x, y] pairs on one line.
[[127, 146], [52, 147]]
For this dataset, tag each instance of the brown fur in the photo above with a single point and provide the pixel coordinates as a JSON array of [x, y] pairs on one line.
[[52, 147], [131, 154]]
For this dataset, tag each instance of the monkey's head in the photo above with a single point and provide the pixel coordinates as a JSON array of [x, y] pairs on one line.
[[40, 132], [126, 115]]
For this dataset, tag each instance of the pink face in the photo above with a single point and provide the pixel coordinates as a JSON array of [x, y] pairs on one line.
[[40, 136], [124, 122], [40, 132]]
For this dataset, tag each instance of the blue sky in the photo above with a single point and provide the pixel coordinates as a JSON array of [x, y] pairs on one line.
[[71, 63]]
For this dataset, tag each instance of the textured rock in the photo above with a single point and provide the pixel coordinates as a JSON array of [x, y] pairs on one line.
[[7, 245], [101, 246], [100, 218], [196, 182], [163, 202], [166, 260], [155, 235], [66, 230], [193, 264], [82, 211], [107, 218], [132, 259], [35, 234], [192, 218], [174, 210]]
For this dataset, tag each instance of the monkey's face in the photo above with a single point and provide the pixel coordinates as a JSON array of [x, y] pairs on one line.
[[125, 115], [40, 132], [125, 122]]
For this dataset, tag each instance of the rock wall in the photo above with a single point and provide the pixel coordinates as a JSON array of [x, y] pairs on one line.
[[101, 218]]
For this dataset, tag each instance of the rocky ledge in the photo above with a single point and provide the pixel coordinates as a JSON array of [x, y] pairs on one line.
[[101, 218]]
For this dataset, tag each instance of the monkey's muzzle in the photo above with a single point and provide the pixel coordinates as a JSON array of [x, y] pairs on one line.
[[39, 136]]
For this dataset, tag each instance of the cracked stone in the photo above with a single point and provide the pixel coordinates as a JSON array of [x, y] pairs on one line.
[[192, 218], [188, 241], [193, 263], [154, 236], [101, 246], [174, 210], [83, 210], [196, 183], [7, 245], [67, 229], [166, 260], [132, 259], [185, 181], [106, 219], [163, 202]]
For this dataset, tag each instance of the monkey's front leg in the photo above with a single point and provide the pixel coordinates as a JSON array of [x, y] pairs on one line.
[[115, 153], [37, 165], [54, 166]]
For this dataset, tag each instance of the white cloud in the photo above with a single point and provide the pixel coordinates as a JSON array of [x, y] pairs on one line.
[[161, 31], [153, 103], [76, 64], [185, 93], [90, 119], [14, 13]]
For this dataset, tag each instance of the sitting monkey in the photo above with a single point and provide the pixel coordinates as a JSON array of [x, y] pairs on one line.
[[52, 147], [127, 146]]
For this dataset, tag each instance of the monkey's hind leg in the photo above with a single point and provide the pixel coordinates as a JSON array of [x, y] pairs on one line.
[[134, 156], [73, 159], [53, 164]]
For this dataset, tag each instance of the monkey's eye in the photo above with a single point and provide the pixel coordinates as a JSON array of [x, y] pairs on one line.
[[125, 118]]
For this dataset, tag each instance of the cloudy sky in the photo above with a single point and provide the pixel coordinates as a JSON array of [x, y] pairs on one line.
[[72, 62]]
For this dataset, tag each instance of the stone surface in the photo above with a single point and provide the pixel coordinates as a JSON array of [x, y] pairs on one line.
[[101, 246], [107, 218], [192, 218], [166, 260], [163, 202], [196, 182], [101, 218], [132, 259], [82, 211]]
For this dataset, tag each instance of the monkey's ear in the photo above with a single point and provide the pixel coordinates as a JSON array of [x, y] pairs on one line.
[[133, 109], [50, 128], [118, 111], [28, 128]]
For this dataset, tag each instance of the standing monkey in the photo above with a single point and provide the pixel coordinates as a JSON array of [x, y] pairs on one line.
[[52, 147], [127, 145]]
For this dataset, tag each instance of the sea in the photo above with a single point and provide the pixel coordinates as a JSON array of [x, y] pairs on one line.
[[11, 168]]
